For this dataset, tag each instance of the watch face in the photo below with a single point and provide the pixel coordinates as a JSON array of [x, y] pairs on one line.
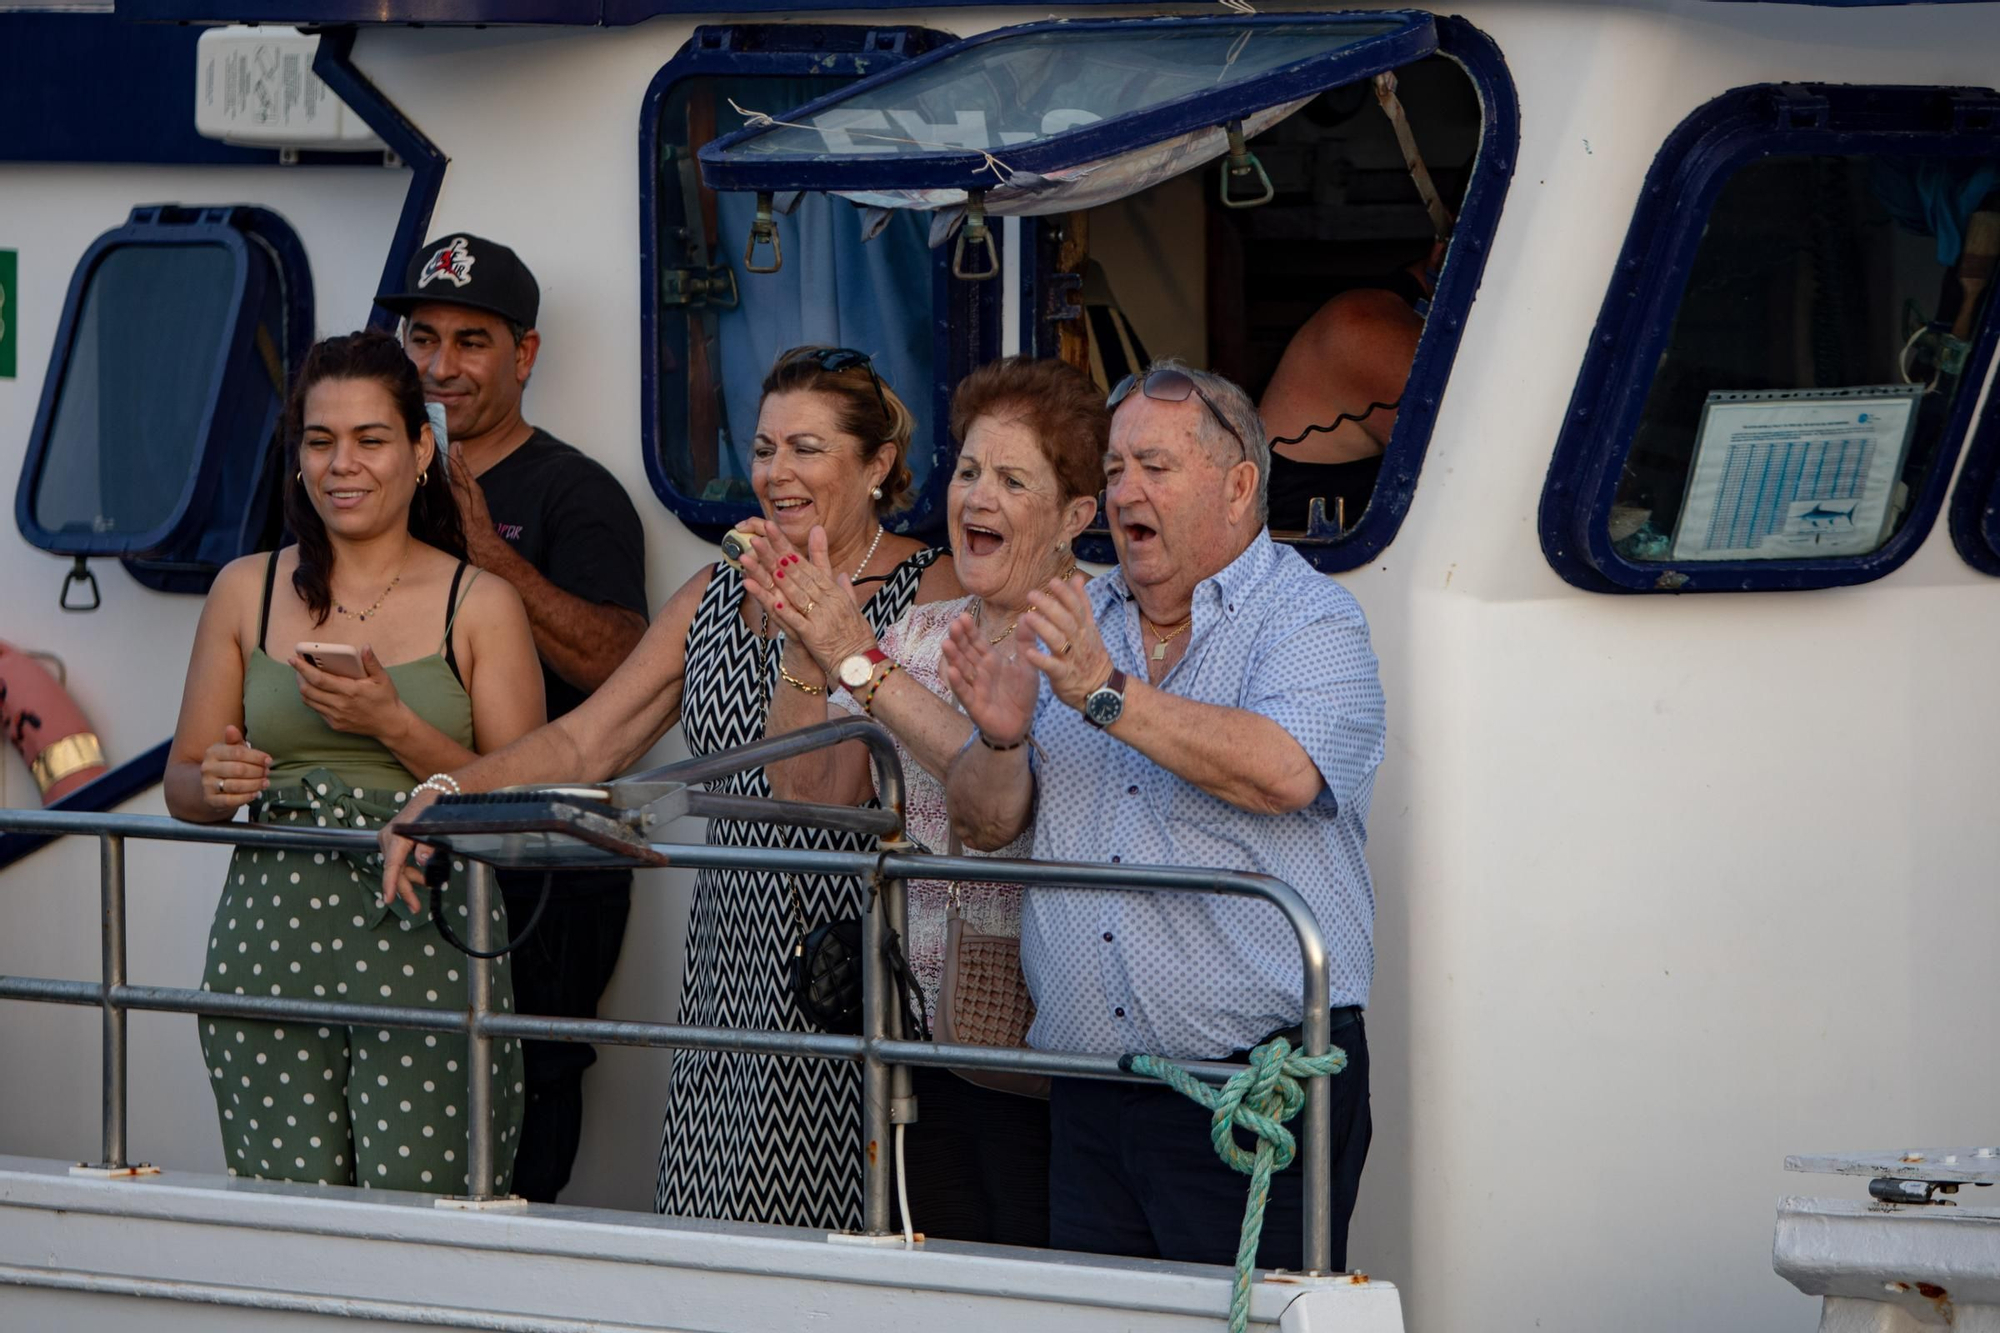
[[1103, 706], [855, 671]]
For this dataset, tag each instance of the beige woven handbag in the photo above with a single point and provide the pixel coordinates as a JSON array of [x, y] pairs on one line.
[[984, 1000]]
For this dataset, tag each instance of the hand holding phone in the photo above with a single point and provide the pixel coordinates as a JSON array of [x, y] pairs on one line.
[[336, 659]]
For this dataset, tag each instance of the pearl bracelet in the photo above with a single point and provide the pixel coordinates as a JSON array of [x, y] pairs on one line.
[[444, 784]]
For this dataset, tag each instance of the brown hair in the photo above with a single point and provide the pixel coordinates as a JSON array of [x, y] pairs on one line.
[[433, 516], [1060, 404], [870, 411]]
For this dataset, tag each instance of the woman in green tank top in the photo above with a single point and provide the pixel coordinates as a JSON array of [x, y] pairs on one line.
[[379, 565]]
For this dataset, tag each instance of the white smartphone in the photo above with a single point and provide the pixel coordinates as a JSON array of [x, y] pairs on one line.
[[336, 659]]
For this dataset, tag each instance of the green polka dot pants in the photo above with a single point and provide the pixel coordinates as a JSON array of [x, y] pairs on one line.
[[337, 1105]]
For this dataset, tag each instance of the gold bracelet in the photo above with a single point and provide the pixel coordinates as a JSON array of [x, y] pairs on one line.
[[798, 684], [868, 703]]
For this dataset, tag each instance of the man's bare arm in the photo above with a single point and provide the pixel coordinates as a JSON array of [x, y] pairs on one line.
[[582, 641]]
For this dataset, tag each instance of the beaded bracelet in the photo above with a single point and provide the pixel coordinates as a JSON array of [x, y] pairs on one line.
[[798, 684], [868, 701], [444, 784]]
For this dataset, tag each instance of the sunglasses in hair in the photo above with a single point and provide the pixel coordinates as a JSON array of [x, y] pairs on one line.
[[1172, 386], [834, 360]]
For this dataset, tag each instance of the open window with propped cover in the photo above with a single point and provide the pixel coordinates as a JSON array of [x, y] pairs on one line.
[[1301, 202], [156, 440]]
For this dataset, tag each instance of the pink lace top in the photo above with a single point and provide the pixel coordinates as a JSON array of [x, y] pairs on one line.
[[916, 642]]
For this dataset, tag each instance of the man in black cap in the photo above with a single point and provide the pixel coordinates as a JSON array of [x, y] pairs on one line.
[[559, 527]]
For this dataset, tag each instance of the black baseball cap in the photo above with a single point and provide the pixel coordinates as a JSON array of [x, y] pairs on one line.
[[459, 268]]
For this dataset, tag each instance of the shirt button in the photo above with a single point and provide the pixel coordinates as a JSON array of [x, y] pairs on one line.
[[1118, 1013], [1114, 860], [1107, 937], [1132, 790]]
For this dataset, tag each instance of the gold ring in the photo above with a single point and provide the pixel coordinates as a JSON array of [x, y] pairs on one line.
[[810, 604], [218, 786], [1067, 645]]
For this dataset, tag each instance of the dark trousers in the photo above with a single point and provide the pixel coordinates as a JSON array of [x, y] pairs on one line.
[[1132, 1171], [560, 971], [977, 1162]]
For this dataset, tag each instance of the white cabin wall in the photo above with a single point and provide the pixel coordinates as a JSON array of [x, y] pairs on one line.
[[1631, 950], [1653, 912], [125, 667]]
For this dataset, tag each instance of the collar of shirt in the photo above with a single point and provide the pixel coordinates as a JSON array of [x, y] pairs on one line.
[[1228, 590]]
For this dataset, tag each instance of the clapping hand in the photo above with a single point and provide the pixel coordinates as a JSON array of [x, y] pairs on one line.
[[1072, 653], [816, 608], [997, 689]]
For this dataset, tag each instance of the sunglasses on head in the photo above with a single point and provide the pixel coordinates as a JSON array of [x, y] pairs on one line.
[[1172, 386], [834, 360]]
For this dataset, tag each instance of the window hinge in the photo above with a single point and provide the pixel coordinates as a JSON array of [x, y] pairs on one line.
[[1800, 108], [699, 287]]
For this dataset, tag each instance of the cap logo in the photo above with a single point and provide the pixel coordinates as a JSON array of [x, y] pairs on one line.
[[450, 262]]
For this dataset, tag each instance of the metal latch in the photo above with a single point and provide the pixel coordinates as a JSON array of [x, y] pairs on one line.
[[699, 287]]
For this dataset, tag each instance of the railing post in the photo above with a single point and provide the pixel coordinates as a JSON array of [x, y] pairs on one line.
[[878, 1150], [478, 1043], [1317, 1031], [111, 875]]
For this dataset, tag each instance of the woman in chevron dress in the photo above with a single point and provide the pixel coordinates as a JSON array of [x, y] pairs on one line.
[[751, 1138]]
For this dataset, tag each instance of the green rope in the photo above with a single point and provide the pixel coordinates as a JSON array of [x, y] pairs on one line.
[[1260, 1099]]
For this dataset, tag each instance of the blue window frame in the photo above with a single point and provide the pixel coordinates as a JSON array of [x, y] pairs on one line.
[[1720, 298], [156, 439], [710, 326], [986, 84]]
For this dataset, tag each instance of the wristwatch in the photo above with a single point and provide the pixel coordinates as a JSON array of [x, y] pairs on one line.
[[1103, 705], [857, 670]]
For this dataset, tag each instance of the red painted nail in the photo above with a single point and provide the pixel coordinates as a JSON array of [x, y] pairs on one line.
[[781, 571], [781, 606]]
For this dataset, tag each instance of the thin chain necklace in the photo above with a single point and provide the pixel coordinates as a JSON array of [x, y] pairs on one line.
[[377, 604], [978, 605], [1172, 633]]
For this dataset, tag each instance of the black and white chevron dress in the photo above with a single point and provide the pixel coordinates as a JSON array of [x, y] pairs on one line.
[[756, 1138]]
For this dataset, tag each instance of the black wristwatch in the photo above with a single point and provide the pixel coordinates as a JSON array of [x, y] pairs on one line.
[[1106, 703]]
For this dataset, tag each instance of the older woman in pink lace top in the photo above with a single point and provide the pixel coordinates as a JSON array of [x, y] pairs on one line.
[[1032, 438]]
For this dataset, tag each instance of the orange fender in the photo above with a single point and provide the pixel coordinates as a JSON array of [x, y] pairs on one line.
[[46, 726]]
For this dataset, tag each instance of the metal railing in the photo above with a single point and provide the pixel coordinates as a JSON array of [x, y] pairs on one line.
[[885, 1054]]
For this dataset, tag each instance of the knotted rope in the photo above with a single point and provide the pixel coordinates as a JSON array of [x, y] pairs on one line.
[[1259, 1099]]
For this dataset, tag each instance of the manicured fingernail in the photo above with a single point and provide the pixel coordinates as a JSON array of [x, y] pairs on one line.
[[781, 606], [781, 571]]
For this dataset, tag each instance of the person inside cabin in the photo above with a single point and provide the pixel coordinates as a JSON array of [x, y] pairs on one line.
[[377, 584], [751, 1138], [1213, 701], [1025, 483], [556, 525], [1331, 404]]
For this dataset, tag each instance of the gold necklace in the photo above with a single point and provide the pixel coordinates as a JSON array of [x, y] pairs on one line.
[[977, 607], [1160, 648], [376, 605]]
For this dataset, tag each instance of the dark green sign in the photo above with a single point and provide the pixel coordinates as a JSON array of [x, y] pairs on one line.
[[9, 311]]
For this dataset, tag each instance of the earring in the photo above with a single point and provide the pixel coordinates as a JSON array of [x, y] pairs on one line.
[[301, 475], [875, 492]]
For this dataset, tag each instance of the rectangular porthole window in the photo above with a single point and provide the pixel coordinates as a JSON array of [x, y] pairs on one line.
[[1238, 191], [156, 438], [1779, 384], [716, 322]]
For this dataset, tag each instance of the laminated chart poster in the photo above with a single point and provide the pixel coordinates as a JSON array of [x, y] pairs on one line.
[[1795, 474]]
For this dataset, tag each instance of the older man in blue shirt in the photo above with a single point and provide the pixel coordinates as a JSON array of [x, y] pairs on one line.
[[1214, 701]]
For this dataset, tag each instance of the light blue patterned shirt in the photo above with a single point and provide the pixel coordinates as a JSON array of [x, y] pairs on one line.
[[1196, 976]]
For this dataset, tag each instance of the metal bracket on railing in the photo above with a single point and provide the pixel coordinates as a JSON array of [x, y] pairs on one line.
[[763, 231], [1243, 163], [975, 233], [79, 573]]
